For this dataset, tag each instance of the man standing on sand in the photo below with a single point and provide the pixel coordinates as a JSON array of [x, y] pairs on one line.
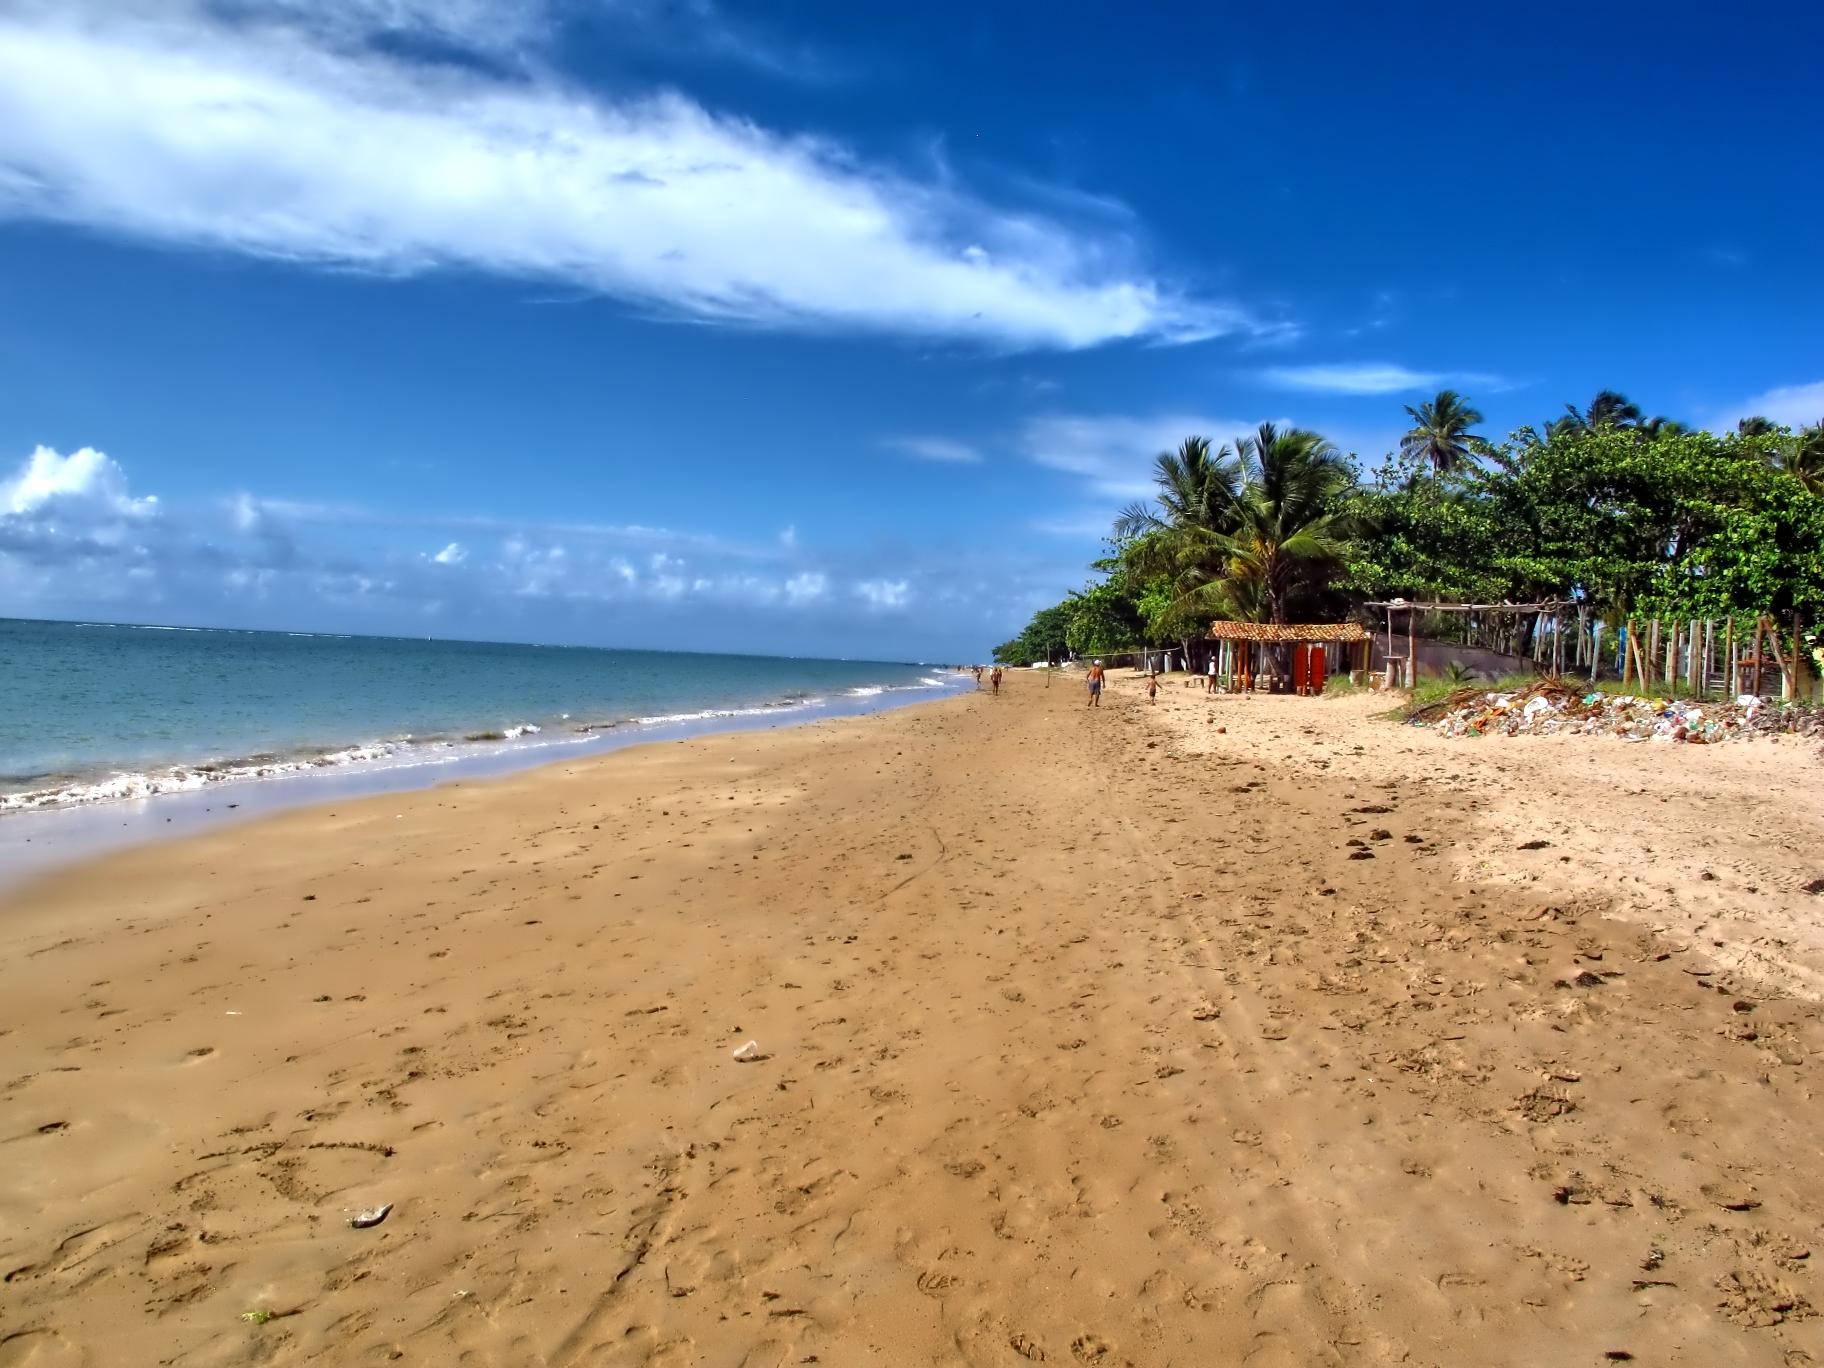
[[1095, 685], [995, 680]]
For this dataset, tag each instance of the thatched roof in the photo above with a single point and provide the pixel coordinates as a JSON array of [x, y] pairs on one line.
[[1287, 631]]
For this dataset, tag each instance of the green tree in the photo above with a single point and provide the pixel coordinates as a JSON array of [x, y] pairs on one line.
[[1102, 620], [1042, 641], [1440, 433]]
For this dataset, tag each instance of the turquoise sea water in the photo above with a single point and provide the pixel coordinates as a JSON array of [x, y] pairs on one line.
[[91, 712]]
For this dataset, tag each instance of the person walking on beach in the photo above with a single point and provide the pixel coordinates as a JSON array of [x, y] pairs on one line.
[[1095, 685], [995, 680], [978, 676], [1152, 688], [1209, 679]]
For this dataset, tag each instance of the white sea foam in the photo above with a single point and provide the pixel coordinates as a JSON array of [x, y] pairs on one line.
[[399, 752], [707, 713], [188, 778]]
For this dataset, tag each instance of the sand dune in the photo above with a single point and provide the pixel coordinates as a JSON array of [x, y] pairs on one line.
[[1177, 1035]]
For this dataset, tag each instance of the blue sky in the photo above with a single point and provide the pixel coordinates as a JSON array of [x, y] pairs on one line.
[[824, 329]]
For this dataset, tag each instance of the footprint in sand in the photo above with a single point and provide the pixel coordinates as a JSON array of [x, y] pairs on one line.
[[935, 1282]]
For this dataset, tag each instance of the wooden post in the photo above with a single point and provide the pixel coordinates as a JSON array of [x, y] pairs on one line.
[[1793, 693], [1733, 685], [1760, 629], [1412, 653]]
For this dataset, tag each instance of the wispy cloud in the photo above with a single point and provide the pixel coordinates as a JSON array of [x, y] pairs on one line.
[[276, 133], [1076, 527], [942, 449], [1371, 377], [1794, 406]]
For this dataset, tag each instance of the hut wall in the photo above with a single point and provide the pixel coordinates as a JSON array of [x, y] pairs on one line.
[[1435, 657]]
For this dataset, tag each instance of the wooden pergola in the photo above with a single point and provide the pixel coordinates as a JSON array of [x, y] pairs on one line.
[[1241, 642]]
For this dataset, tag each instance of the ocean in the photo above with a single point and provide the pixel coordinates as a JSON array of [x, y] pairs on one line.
[[93, 713]]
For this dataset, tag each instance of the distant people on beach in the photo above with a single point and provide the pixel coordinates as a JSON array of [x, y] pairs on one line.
[[978, 676], [1209, 679], [1095, 685], [995, 680]]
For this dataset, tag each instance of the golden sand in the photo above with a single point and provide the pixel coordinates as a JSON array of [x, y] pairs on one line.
[[1216, 1032]]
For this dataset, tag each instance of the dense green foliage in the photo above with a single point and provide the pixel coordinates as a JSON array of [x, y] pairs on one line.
[[1628, 514]]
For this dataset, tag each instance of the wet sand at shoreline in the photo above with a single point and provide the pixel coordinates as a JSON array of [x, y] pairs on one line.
[[1177, 1035]]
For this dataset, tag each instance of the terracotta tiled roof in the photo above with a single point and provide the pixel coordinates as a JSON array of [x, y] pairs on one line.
[[1289, 631]]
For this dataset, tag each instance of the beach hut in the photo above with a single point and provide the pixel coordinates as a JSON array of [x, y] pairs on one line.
[[1245, 654]]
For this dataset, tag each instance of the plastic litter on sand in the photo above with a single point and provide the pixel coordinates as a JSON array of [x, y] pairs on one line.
[[1554, 707], [748, 1053], [370, 1216]]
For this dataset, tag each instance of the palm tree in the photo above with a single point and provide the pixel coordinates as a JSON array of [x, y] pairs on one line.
[[1802, 457], [1290, 519], [1196, 489], [1611, 411], [1441, 432], [1756, 426], [1607, 411], [1176, 537]]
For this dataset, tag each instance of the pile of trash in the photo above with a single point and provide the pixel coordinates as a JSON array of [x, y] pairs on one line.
[[1553, 707]]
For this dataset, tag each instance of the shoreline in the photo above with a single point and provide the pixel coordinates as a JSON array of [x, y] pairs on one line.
[[1129, 1036], [37, 841]]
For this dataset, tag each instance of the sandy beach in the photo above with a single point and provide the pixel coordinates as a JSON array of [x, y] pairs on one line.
[[1223, 1031]]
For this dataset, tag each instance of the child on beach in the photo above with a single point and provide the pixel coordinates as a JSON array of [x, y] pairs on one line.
[[1152, 688]]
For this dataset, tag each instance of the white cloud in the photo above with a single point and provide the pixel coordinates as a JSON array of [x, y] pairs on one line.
[[85, 480], [1114, 454], [1794, 406], [166, 122], [76, 542], [806, 587], [942, 449], [1373, 378], [881, 594]]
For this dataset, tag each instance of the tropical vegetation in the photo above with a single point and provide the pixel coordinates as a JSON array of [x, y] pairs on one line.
[[1621, 513]]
